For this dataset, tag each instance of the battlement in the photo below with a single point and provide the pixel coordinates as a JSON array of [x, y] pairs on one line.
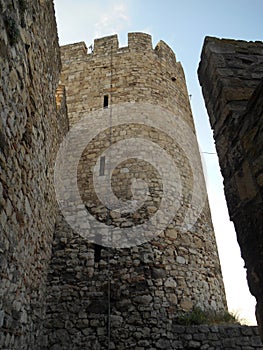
[[106, 44], [76, 50], [137, 42], [164, 51]]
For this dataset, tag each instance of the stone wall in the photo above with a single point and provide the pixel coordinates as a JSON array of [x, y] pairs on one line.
[[144, 285], [136, 73], [206, 337], [231, 75], [31, 128], [79, 320], [95, 291]]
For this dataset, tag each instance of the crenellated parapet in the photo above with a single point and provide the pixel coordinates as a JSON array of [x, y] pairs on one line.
[[137, 43], [110, 69]]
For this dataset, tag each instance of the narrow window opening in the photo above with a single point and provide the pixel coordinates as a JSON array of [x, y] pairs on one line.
[[97, 252], [102, 166], [106, 101]]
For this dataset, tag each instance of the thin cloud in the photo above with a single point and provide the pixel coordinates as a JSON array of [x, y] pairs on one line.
[[91, 19], [115, 19]]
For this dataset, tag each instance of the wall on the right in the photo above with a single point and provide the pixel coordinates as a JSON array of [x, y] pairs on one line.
[[230, 73]]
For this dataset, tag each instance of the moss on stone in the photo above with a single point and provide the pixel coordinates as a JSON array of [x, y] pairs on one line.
[[11, 29]]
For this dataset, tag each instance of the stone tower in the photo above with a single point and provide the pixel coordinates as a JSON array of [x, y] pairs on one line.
[[103, 289]]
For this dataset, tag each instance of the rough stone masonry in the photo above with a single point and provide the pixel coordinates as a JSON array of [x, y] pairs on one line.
[[152, 282], [31, 129], [231, 73], [54, 283]]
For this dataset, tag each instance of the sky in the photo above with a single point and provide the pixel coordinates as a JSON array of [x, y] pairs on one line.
[[183, 25]]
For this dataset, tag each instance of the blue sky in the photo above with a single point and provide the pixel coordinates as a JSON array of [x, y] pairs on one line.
[[183, 25]]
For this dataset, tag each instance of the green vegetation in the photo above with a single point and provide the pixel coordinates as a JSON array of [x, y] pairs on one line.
[[198, 316]]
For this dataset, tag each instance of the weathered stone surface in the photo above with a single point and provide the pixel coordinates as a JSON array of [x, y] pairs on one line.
[[141, 287], [32, 127], [148, 284], [231, 75]]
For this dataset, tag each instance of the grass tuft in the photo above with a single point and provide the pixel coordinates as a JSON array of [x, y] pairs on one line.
[[198, 316]]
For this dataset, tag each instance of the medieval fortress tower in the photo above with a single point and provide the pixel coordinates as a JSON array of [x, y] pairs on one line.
[[140, 282], [106, 234]]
